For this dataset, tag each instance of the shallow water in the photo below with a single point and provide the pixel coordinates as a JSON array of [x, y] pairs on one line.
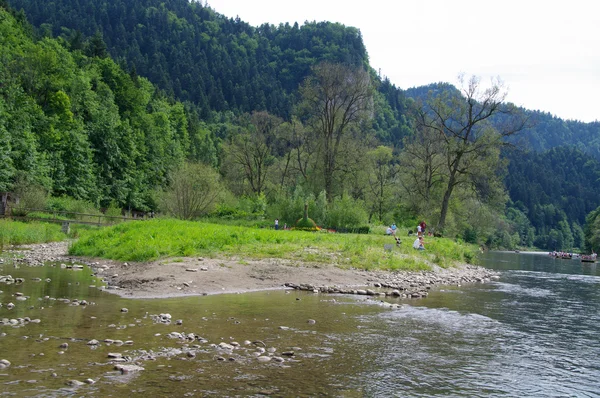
[[532, 333]]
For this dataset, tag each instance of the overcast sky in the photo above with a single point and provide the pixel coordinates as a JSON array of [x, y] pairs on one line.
[[546, 52]]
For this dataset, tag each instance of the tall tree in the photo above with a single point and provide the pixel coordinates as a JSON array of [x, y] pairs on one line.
[[462, 125], [194, 191], [335, 98], [381, 179], [423, 172], [592, 231], [252, 150], [7, 170]]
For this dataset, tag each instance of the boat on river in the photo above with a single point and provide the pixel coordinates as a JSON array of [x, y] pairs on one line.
[[591, 258]]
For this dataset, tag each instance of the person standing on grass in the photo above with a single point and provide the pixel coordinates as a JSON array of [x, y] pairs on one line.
[[276, 224]]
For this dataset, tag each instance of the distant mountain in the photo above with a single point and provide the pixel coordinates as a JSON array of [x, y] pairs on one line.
[[547, 131]]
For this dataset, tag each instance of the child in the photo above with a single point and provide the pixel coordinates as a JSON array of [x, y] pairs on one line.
[[419, 244]]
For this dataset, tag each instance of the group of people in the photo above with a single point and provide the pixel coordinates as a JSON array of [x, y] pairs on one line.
[[419, 243], [285, 226]]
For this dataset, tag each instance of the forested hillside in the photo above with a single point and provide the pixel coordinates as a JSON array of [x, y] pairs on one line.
[[217, 63], [81, 126], [555, 190], [191, 86], [544, 131]]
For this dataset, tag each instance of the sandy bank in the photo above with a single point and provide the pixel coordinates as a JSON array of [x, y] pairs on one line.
[[201, 276]]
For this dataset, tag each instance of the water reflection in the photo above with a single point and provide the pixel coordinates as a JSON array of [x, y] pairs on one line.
[[532, 333]]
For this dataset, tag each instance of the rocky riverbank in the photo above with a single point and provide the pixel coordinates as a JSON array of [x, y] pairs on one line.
[[202, 276]]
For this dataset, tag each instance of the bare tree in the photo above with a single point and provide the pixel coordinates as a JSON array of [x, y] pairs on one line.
[[334, 98], [252, 150], [462, 124]]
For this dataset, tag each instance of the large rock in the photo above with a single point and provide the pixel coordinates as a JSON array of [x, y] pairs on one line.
[[128, 368]]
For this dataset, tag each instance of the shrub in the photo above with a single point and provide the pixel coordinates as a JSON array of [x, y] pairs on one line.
[[30, 196], [306, 224], [470, 235], [194, 191], [287, 208], [346, 214]]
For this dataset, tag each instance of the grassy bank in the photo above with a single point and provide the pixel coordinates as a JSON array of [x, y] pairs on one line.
[[155, 239], [20, 233]]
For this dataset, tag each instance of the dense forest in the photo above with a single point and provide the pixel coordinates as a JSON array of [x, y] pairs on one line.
[[193, 92], [217, 63], [555, 191]]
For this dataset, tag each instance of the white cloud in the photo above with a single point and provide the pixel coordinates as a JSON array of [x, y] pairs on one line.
[[545, 51]]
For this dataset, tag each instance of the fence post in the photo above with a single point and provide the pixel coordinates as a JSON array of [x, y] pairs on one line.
[[66, 227]]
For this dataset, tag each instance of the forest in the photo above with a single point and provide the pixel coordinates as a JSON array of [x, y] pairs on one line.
[[128, 104]]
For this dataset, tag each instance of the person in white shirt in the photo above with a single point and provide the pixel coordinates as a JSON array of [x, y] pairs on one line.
[[418, 243]]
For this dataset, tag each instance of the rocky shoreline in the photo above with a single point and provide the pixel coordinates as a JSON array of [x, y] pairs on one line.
[[199, 276]]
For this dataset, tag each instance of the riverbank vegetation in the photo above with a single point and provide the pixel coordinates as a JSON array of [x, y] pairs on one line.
[[18, 233], [168, 238], [245, 127]]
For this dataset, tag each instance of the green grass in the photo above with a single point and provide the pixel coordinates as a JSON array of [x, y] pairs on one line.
[[163, 238], [23, 233]]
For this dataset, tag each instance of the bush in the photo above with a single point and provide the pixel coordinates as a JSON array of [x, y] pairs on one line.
[[287, 208], [194, 191], [346, 214], [229, 212], [306, 224], [470, 235], [30, 196]]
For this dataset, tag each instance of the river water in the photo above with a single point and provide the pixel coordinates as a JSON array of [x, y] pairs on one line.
[[531, 333]]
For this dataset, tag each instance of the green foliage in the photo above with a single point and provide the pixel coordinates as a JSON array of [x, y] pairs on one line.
[[82, 127], [289, 208], [78, 125], [30, 196], [67, 204], [113, 210], [154, 239], [19, 233], [592, 231], [194, 191], [306, 224], [470, 235], [552, 191], [346, 213], [7, 171]]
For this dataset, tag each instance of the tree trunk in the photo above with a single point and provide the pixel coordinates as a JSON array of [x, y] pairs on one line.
[[445, 203]]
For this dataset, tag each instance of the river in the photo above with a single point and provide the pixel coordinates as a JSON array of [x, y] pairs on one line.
[[531, 333]]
